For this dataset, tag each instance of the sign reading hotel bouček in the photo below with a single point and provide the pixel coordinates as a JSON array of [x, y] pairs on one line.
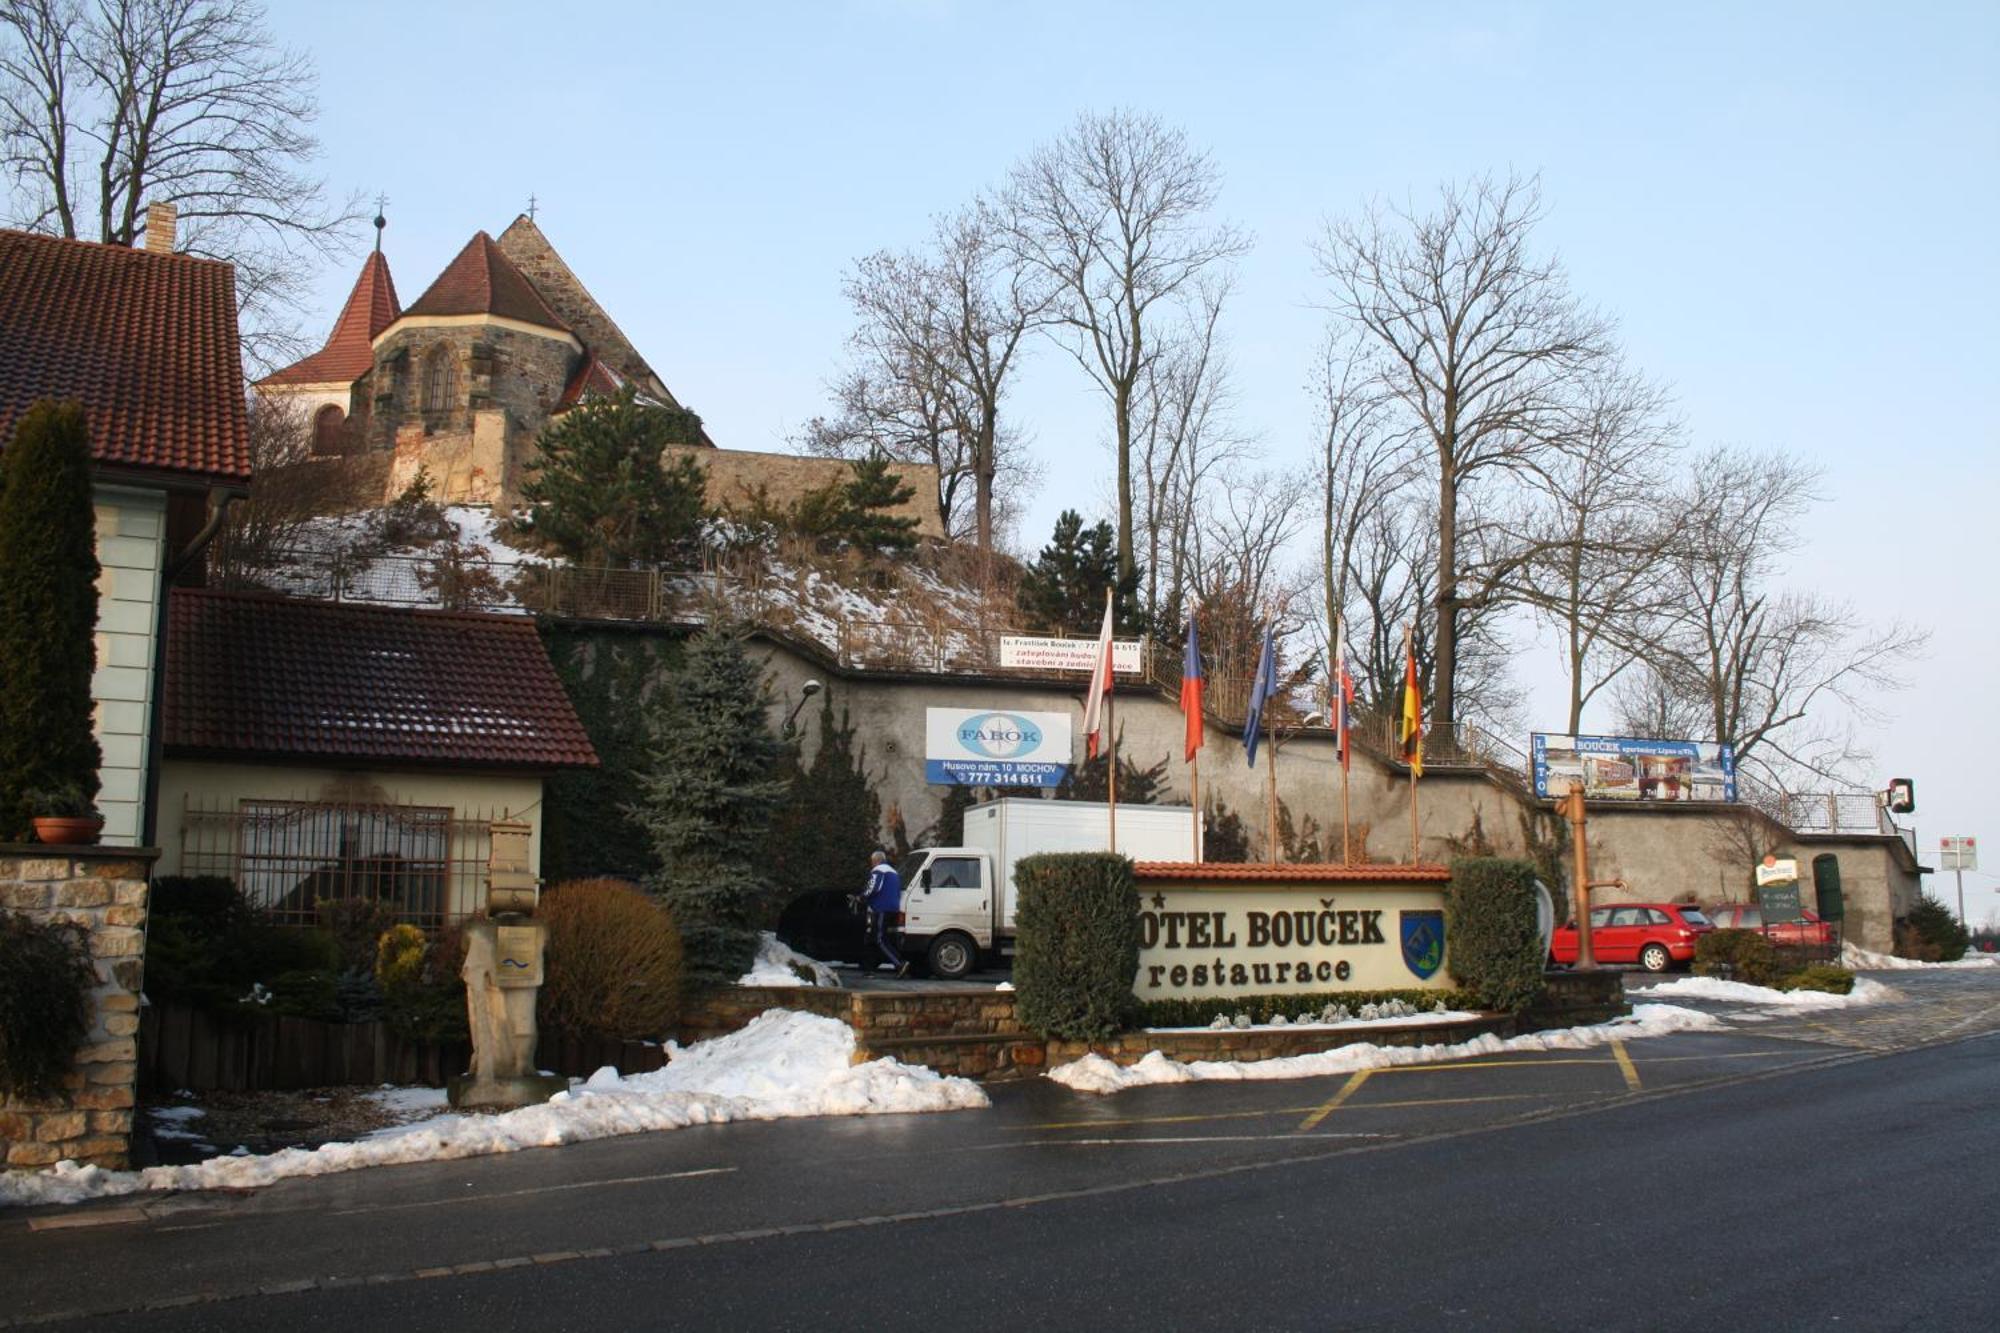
[[1212, 931]]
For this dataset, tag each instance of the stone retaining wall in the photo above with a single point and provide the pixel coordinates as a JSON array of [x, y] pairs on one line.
[[104, 891]]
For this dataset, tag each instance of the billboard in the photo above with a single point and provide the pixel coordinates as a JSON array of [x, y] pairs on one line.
[[1625, 768], [984, 747], [1022, 650]]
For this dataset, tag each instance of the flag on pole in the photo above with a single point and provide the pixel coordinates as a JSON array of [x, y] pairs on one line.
[[1262, 686], [1099, 687], [1411, 732], [1191, 692], [1343, 691]]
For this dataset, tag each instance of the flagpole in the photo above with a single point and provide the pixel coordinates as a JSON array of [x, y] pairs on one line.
[[1111, 725], [1346, 853], [1338, 706], [1409, 649], [1271, 781], [1194, 799]]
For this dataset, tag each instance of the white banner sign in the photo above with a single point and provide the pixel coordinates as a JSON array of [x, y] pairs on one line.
[[976, 747], [1958, 853], [1020, 650]]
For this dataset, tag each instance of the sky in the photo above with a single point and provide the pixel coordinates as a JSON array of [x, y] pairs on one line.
[[1788, 209]]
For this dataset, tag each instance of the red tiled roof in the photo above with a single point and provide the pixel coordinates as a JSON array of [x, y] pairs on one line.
[[349, 352], [146, 342], [258, 675], [594, 379], [1258, 872], [483, 281]]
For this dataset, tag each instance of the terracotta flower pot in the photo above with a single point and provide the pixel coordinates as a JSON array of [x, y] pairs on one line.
[[68, 830]]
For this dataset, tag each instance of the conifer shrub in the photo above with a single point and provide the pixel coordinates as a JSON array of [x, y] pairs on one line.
[[613, 966], [48, 612], [1931, 933], [1077, 944], [1492, 943], [45, 982], [1739, 955], [1820, 977]]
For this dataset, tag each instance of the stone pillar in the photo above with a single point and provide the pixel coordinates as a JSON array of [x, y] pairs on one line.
[[102, 889]]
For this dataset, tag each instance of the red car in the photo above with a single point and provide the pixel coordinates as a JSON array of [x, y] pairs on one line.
[[1656, 936], [1811, 932]]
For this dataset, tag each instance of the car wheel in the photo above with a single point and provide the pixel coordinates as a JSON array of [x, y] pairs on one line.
[[1655, 958], [951, 956]]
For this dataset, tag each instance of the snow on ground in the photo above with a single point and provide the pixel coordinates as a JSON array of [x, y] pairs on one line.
[[410, 1102], [172, 1122], [784, 1064], [1094, 1073], [777, 964], [1742, 992], [1858, 959]]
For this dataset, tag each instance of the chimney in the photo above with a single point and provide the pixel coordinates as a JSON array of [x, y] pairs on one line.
[[160, 219]]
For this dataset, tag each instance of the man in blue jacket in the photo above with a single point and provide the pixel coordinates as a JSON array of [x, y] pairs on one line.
[[885, 897]]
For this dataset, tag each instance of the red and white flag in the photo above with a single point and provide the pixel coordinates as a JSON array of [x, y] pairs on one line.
[[1100, 686]]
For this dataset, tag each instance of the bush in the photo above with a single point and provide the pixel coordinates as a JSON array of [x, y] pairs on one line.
[[1820, 977], [423, 993], [613, 966], [1741, 955], [1199, 1013], [1077, 944], [45, 984], [1931, 933], [1493, 945]]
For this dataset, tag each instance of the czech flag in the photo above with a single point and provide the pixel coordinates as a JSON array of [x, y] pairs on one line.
[[1412, 730], [1191, 692]]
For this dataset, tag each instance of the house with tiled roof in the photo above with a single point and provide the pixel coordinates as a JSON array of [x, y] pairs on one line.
[[319, 752], [145, 339], [461, 382]]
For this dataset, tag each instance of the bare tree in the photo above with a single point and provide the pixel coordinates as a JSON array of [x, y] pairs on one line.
[[1241, 583], [1648, 702], [1599, 526], [1481, 344], [108, 107], [1776, 672], [938, 336], [1114, 214]]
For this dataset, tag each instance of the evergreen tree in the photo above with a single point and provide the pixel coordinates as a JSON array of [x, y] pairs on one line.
[[821, 836], [1063, 590], [608, 676], [870, 501], [602, 491], [48, 613], [1088, 781], [1223, 837], [707, 800]]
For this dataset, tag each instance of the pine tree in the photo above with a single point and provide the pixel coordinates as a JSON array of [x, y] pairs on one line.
[[602, 492], [1063, 590], [48, 613], [822, 834], [707, 800], [871, 501]]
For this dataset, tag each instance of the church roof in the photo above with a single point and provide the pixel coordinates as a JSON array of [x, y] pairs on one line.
[[483, 281], [593, 379], [348, 355]]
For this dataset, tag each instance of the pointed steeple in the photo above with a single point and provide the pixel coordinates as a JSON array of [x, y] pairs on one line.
[[349, 353]]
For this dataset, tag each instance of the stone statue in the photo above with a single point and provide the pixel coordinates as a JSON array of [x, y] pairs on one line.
[[503, 974]]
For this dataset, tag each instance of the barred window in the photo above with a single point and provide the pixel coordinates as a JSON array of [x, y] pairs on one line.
[[296, 856], [440, 380]]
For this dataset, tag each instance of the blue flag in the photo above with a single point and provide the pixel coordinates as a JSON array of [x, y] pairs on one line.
[[1262, 686]]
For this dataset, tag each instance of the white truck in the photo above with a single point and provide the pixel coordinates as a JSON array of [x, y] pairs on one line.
[[958, 902]]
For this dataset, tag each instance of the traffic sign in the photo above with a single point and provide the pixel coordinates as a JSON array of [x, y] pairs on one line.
[[1958, 853]]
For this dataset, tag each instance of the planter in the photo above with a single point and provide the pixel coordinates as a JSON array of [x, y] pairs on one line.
[[68, 830]]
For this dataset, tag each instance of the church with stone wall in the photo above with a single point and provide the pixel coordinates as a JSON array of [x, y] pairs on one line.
[[461, 383]]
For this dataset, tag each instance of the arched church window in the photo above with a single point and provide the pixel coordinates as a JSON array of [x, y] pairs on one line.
[[440, 380], [329, 430]]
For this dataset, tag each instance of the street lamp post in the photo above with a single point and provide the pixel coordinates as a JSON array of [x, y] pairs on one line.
[[806, 691]]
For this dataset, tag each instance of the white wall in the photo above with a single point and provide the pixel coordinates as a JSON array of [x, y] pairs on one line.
[[131, 548]]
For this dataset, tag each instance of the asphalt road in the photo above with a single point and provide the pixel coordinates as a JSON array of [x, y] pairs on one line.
[[1781, 1174]]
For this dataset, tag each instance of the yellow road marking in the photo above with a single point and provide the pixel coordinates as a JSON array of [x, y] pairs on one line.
[[1625, 1065], [1347, 1089]]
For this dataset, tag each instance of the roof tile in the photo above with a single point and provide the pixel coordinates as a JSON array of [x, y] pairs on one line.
[[483, 281], [264, 676], [350, 352], [146, 342]]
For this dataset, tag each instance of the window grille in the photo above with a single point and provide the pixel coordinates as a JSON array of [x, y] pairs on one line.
[[440, 381]]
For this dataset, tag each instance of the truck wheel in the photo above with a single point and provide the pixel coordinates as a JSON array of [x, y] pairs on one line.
[[951, 956]]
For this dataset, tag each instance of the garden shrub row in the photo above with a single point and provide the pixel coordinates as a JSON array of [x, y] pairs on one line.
[[1493, 943], [1748, 956], [1076, 944], [1200, 1012]]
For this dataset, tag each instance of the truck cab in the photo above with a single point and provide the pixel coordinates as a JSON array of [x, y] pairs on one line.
[[948, 908]]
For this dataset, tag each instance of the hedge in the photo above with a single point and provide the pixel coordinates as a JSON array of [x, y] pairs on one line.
[[45, 982], [1076, 944], [613, 966], [1742, 955], [1492, 940], [1200, 1012]]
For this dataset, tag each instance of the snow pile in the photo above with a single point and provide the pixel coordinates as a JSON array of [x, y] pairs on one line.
[[783, 1064], [171, 1122], [1337, 1015], [1094, 1073], [1742, 992], [777, 964], [1858, 959]]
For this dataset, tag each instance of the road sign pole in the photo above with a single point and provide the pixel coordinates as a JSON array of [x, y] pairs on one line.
[[1960, 872]]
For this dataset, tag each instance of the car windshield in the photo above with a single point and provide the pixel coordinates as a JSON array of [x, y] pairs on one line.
[[1693, 916]]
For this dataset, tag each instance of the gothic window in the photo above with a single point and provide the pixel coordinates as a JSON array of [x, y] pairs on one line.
[[329, 431], [440, 380]]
